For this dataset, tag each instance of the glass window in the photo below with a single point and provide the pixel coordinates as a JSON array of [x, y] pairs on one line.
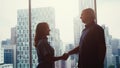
[[63, 17]]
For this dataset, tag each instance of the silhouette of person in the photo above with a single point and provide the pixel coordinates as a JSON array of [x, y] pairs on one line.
[[92, 47], [45, 52]]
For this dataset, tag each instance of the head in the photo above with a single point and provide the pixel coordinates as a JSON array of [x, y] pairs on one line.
[[41, 32], [88, 15]]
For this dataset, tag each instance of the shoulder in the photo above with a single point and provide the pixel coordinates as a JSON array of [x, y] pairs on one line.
[[98, 27], [42, 42], [98, 30]]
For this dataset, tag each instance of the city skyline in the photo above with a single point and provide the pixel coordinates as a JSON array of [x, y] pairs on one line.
[[64, 17]]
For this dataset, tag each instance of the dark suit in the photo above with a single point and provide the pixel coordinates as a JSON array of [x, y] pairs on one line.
[[91, 42]]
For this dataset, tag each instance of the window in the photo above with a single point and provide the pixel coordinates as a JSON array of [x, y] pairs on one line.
[[63, 17]]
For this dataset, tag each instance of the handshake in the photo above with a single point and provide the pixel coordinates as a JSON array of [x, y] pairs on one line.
[[65, 56]]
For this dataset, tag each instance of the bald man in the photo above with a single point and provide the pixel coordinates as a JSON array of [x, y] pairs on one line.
[[92, 47]]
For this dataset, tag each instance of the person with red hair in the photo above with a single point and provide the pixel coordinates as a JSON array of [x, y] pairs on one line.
[[45, 52]]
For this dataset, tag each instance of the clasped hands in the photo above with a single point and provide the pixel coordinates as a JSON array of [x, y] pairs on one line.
[[65, 56]]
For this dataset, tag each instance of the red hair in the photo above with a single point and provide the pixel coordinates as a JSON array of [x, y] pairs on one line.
[[40, 32]]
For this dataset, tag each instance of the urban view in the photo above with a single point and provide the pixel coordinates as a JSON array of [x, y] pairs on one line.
[[63, 17]]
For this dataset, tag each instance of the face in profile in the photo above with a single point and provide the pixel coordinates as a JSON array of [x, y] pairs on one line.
[[47, 31], [83, 17], [87, 15]]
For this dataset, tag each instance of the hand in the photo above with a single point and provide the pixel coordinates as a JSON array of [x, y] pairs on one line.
[[65, 56]]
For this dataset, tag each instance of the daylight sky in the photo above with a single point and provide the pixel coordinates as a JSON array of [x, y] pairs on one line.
[[65, 11]]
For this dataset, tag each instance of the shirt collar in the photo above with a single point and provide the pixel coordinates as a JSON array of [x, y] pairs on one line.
[[89, 25]]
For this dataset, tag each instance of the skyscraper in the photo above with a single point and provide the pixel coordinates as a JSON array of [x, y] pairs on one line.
[[13, 35], [78, 27], [1, 55], [83, 4], [8, 51], [8, 54], [109, 55], [13, 43]]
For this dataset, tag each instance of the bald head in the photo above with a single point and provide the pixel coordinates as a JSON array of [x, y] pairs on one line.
[[90, 12], [88, 15]]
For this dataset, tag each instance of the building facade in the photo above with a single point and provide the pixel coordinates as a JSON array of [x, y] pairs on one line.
[[78, 27], [1, 55], [109, 56], [8, 51], [2, 64], [13, 43], [13, 35]]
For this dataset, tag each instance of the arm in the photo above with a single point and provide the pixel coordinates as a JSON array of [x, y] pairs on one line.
[[101, 52], [63, 57], [66, 55], [46, 52], [52, 58], [101, 45], [75, 50]]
